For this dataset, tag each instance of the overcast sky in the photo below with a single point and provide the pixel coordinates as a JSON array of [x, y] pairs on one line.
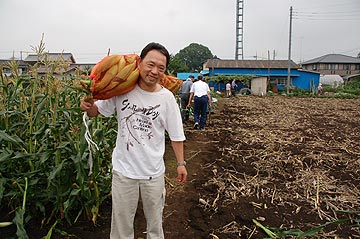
[[88, 28]]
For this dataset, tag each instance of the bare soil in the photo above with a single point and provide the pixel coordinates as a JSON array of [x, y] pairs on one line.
[[288, 163]]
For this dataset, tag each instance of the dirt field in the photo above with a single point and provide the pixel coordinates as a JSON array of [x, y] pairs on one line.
[[288, 163]]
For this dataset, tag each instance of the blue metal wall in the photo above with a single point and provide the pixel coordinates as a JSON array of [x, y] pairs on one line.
[[185, 75], [305, 80]]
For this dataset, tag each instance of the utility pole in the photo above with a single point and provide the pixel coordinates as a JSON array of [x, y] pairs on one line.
[[289, 55], [268, 67], [239, 51]]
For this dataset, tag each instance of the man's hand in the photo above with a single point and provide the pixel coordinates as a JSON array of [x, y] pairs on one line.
[[182, 174], [86, 104]]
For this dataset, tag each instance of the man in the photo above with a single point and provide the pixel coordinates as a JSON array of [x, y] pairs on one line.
[[200, 91], [184, 97], [233, 87], [143, 115], [228, 89]]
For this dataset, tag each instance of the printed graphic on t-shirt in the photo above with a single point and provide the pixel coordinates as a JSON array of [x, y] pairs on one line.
[[137, 125]]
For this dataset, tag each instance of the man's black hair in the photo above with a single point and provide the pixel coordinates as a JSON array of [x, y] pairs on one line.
[[155, 46]]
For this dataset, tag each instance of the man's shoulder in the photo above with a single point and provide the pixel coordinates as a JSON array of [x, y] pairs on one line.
[[166, 92]]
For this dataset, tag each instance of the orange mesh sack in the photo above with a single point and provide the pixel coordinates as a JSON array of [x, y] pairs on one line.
[[118, 74]]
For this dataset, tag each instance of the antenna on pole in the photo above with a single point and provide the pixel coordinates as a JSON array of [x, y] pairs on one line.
[[239, 53], [289, 55]]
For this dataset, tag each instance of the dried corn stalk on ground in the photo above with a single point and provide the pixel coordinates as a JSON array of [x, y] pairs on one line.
[[287, 162]]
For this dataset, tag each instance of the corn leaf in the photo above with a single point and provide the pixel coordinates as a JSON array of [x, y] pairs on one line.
[[5, 224], [49, 234], [266, 230], [19, 221], [5, 155], [2, 188], [12, 139]]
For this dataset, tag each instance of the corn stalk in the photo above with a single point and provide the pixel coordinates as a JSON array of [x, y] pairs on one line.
[[41, 138]]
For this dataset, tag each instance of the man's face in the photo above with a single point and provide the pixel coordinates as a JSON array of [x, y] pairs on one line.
[[152, 68]]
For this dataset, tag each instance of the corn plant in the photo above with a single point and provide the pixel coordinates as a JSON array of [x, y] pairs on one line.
[[41, 140]]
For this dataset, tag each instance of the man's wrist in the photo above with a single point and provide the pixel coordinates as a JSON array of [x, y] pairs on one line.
[[181, 163]]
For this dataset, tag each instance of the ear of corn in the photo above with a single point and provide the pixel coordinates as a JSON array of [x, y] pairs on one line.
[[122, 62], [126, 71], [171, 83], [120, 88], [118, 74]]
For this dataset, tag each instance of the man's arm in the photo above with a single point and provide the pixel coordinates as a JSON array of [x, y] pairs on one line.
[[190, 99], [209, 98], [178, 147]]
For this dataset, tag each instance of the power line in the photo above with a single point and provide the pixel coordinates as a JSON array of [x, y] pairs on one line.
[[337, 6], [326, 19], [314, 15], [329, 12]]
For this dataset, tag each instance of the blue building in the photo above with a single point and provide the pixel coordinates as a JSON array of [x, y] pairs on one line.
[[275, 70]]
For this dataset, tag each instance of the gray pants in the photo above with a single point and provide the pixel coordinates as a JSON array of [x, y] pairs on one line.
[[125, 197], [184, 99]]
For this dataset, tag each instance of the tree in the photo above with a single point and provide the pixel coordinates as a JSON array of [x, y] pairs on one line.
[[175, 66], [193, 57], [358, 56]]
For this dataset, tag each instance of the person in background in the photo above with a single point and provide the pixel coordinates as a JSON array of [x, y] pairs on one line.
[[228, 89], [233, 87], [200, 91], [319, 90], [184, 97], [143, 116]]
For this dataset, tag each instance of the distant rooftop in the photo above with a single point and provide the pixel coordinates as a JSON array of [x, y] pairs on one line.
[[68, 57], [255, 64], [333, 58], [19, 62]]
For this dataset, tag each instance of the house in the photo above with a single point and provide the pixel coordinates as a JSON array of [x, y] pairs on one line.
[[67, 66], [334, 64], [48, 60], [51, 57], [275, 70], [6, 65]]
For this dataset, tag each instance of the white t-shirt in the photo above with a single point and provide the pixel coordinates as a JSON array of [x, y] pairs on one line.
[[200, 88], [143, 118], [228, 86]]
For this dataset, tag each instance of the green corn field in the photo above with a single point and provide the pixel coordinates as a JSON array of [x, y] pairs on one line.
[[44, 169]]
